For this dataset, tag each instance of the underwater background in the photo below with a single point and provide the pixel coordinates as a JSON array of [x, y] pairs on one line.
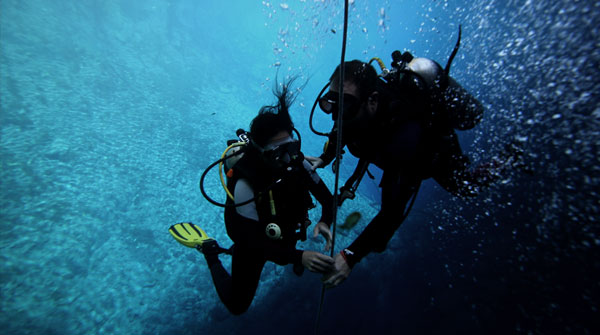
[[110, 110]]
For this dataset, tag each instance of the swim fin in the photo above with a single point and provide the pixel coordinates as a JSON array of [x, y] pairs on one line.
[[189, 235]]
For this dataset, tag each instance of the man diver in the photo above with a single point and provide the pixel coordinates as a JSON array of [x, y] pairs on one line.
[[405, 126], [271, 186]]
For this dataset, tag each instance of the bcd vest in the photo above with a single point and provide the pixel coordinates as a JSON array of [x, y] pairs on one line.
[[281, 196]]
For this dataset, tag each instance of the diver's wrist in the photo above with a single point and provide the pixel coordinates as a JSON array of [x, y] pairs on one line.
[[350, 257]]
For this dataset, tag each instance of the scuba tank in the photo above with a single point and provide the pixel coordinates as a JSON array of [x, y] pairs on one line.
[[235, 146], [452, 104]]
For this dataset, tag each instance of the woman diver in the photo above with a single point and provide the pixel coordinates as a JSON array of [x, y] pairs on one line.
[[268, 211]]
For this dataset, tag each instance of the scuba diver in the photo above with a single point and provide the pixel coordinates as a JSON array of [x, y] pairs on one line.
[[269, 186], [404, 122]]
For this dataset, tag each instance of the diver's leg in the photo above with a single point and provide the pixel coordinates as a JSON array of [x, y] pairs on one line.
[[395, 196], [452, 169], [237, 290], [220, 276], [401, 178], [246, 268]]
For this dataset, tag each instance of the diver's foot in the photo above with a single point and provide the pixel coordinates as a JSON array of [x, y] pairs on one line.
[[511, 156], [514, 157], [515, 151], [210, 247]]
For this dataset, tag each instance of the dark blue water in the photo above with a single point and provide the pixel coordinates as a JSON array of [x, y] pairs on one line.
[[111, 110]]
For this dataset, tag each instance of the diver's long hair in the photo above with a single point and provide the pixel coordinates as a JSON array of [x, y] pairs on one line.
[[272, 119]]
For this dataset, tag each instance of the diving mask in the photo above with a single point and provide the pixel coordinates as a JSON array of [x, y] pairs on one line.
[[329, 104], [283, 154]]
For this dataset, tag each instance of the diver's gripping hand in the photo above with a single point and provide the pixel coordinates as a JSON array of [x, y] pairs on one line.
[[189, 235], [315, 162], [346, 193]]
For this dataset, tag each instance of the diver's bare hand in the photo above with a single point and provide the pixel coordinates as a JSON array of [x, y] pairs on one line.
[[341, 271], [317, 262], [315, 162], [323, 229]]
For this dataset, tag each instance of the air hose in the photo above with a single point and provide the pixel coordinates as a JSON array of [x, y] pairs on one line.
[[220, 162]]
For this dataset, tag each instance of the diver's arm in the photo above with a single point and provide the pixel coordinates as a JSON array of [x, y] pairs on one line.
[[317, 187], [328, 154], [325, 198], [374, 234], [381, 229], [347, 191], [359, 172], [243, 192], [345, 260]]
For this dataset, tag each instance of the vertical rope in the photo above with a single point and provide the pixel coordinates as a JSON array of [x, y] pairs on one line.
[[338, 149], [338, 153]]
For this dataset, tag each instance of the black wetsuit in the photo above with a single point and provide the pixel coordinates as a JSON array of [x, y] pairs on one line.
[[409, 145], [252, 248]]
